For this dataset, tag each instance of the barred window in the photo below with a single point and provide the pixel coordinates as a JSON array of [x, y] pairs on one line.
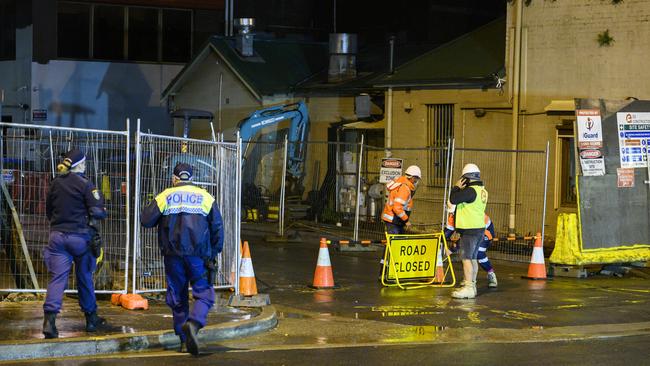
[[440, 128]]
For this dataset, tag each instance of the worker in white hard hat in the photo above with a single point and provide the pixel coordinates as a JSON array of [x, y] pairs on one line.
[[399, 202], [470, 197]]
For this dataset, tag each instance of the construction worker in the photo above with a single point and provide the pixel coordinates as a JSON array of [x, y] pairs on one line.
[[488, 235], [71, 201], [470, 197], [399, 202], [190, 236]]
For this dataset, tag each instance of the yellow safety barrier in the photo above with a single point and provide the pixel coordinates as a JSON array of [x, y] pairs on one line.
[[411, 261], [568, 247]]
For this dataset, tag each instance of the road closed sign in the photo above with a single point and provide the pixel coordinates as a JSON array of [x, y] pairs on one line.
[[412, 257]]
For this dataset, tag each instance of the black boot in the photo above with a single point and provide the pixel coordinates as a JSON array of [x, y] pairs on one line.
[[49, 326], [93, 321], [191, 330]]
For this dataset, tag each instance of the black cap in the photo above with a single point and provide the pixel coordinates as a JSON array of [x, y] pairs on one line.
[[183, 171], [74, 157]]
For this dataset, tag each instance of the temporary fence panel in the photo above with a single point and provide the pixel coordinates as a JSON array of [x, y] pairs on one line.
[[217, 169], [262, 177], [429, 199], [29, 156], [529, 192], [330, 182]]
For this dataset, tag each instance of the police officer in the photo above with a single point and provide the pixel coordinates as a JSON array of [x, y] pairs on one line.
[[470, 197], [481, 257], [71, 201], [399, 202], [190, 235]]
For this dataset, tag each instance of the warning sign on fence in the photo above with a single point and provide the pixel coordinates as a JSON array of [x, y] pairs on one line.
[[390, 169]]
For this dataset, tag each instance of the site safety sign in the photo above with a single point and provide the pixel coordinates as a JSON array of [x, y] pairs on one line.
[[412, 257]]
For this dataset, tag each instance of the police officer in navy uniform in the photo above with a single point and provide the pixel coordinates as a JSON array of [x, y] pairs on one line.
[[71, 201], [190, 236]]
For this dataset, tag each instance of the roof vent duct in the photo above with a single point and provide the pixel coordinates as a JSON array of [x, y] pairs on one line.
[[343, 57], [244, 37]]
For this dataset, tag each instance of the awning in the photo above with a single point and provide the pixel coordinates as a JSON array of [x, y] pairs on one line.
[[365, 125], [561, 107]]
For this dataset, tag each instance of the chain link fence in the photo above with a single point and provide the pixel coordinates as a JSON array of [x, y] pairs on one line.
[[343, 198], [29, 155], [217, 169]]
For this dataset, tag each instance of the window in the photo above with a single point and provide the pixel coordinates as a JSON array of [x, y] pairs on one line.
[[565, 168], [116, 33], [177, 35], [73, 30], [7, 30], [143, 34], [440, 128], [108, 32]]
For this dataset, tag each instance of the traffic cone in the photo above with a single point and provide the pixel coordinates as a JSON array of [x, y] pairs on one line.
[[323, 277], [440, 271], [233, 265], [247, 284], [537, 268]]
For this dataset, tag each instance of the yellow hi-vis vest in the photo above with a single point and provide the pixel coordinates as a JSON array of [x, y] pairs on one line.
[[472, 215]]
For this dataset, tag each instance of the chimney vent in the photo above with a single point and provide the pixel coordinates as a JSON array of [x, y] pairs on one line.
[[244, 37]]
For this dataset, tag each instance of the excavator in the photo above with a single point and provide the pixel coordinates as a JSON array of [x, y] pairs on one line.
[[255, 128], [263, 123]]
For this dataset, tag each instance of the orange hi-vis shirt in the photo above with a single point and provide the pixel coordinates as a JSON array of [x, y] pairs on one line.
[[399, 199]]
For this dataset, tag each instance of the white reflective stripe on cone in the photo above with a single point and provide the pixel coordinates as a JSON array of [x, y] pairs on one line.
[[246, 268], [324, 258], [538, 256]]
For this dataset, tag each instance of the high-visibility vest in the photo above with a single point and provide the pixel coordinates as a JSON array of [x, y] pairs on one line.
[[472, 215], [399, 199]]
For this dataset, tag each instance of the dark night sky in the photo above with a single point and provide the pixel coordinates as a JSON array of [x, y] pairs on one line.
[[412, 21]]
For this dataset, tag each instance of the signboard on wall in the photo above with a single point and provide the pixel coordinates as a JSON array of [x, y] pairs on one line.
[[39, 115], [391, 168], [590, 142], [633, 138]]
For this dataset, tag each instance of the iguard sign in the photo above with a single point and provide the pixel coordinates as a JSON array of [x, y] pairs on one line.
[[590, 131]]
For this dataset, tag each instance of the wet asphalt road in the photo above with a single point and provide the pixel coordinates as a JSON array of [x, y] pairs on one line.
[[618, 351], [565, 321]]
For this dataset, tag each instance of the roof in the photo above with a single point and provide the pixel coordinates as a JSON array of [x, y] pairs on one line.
[[275, 68], [470, 59], [372, 62]]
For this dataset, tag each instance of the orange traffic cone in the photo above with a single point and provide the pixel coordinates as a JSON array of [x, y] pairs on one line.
[[537, 268], [247, 284], [323, 277], [233, 265], [440, 271]]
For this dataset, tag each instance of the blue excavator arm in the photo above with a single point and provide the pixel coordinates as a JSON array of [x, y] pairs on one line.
[[298, 130]]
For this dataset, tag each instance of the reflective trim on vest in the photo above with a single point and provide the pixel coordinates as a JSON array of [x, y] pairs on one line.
[[185, 199], [387, 217], [400, 200], [472, 215]]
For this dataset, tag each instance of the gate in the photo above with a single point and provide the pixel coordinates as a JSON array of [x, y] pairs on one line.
[[28, 158], [217, 168]]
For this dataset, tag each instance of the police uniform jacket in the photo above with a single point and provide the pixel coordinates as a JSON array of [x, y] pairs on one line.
[[188, 220], [71, 200]]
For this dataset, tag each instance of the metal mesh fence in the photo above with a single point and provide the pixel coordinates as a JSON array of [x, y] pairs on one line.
[[529, 190], [332, 177], [216, 169], [261, 181], [29, 158], [429, 198]]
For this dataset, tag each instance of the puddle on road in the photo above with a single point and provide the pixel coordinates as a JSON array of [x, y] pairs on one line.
[[518, 315], [414, 334]]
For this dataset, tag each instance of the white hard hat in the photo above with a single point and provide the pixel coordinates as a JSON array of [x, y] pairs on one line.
[[471, 171], [414, 171]]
